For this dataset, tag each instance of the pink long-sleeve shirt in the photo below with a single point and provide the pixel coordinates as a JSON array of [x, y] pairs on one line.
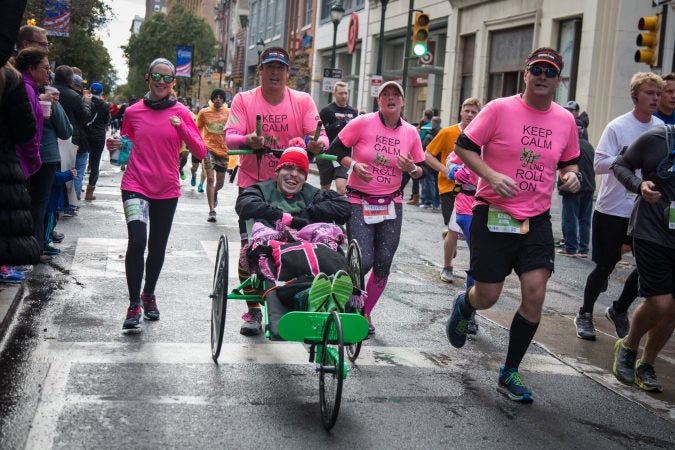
[[153, 165]]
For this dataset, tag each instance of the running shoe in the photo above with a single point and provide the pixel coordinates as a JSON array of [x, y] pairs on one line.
[[560, 243], [645, 377], [620, 321], [511, 384], [57, 237], [252, 323], [584, 324], [624, 363], [200, 188], [70, 212], [182, 175], [446, 275], [565, 252], [342, 289], [425, 206], [11, 276], [150, 310], [455, 330], [23, 269], [49, 249], [133, 320], [193, 180], [212, 216], [582, 255]]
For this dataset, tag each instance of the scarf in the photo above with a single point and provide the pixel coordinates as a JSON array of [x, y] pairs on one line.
[[166, 102]]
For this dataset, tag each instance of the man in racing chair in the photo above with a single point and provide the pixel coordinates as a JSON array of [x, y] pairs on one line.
[[294, 240]]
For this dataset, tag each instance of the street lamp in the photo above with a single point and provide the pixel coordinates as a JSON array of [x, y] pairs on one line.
[[221, 66], [336, 14], [260, 46], [200, 72]]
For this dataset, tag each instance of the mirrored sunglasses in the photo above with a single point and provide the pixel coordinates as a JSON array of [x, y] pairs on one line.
[[158, 76], [550, 72]]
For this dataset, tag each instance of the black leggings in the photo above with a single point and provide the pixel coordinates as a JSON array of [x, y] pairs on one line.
[[139, 210], [95, 153], [597, 283]]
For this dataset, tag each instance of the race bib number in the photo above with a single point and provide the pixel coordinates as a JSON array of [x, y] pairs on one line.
[[378, 213], [671, 216], [501, 222], [136, 209]]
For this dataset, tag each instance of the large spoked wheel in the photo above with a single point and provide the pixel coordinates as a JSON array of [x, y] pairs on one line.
[[354, 262], [331, 370], [219, 297]]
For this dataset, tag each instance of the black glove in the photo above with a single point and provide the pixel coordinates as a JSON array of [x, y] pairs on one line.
[[298, 223]]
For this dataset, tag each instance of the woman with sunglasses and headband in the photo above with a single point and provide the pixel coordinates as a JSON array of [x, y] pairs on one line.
[[150, 186]]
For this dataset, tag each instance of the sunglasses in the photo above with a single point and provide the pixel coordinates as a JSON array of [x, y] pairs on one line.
[[550, 72], [158, 76]]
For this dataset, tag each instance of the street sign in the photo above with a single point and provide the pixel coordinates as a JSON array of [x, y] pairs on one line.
[[330, 77], [375, 83]]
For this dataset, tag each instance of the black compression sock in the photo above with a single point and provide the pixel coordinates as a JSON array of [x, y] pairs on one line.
[[520, 335]]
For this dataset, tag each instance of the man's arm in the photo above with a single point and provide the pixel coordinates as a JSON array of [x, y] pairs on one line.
[[252, 205], [503, 185], [434, 163], [625, 165], [328, 206]]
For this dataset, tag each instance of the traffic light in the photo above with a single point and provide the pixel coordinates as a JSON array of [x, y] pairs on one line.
[[648, 40], [420, 34]]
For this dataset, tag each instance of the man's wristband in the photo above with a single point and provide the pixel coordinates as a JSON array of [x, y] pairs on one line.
[[412, 172], [578, 174]]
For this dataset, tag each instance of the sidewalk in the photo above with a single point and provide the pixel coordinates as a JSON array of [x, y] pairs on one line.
[[10, 297]]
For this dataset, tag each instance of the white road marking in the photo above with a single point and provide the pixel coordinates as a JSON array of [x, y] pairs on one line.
[[51, 404]]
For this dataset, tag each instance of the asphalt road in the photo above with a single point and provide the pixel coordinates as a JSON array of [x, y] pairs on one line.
[[71, 379]]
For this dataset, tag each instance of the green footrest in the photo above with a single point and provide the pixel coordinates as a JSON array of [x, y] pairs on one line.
[[300, 326]]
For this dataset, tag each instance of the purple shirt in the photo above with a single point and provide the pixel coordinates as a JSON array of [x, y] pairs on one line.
[[29, 152]]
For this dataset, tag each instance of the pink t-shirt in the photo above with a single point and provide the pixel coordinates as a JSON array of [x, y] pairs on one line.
[[377, 145], [525, 144], [295, 116], [463, 202], [153, 165]]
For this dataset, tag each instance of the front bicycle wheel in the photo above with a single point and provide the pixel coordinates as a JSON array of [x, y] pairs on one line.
[[331, 370], [354, 266], [219, 297]]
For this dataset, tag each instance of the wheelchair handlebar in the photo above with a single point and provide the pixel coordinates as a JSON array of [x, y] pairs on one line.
[[247, 151]]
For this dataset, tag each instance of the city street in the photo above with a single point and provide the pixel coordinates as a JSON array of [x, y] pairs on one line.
[[71, 379]]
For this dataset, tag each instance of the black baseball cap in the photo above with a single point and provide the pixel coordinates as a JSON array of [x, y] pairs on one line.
[[275, 54]]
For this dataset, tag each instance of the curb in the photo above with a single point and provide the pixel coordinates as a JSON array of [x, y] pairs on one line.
[[10, 297]]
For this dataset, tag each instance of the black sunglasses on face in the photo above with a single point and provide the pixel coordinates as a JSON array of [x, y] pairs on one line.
[[158, 76], [550, 72]]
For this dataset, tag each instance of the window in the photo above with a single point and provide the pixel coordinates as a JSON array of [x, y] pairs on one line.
[[279, 18], [269, 29], [468, 52], [569, 40], [508, 52], [253, 25], [348, 5], [307, 19]]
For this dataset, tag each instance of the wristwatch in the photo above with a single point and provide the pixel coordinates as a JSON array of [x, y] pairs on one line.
[[578, 174]]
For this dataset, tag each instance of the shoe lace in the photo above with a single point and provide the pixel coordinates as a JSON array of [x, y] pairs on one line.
[[514, 378], [462, 325]]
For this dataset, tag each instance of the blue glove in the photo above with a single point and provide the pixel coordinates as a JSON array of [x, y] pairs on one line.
[[452, 170]]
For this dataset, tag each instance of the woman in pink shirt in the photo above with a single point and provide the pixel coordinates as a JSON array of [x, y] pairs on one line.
[[383, 147], [150, 185]]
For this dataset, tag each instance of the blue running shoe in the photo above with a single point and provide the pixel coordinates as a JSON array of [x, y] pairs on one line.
[[193, 180], [511, 385], [8, 275], [457, 325], [200, 188], [132, 323]]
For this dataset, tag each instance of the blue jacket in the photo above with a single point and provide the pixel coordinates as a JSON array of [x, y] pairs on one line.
[[57, 126], [57, 197]]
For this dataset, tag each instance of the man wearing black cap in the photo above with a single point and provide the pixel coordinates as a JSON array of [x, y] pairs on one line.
[[211, 122], [515, 145], [581, 118], [285, 114]]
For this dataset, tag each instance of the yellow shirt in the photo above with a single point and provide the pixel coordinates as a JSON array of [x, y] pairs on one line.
[[211, 122], [444, 144]]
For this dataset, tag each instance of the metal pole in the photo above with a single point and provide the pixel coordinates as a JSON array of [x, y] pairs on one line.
[[332, 58], [406, 46], [380, 47], [199, 91]]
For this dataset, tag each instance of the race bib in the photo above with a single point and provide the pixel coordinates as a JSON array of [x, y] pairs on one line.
[[501, 222], [136, 209], [671, 216], [378, 213]]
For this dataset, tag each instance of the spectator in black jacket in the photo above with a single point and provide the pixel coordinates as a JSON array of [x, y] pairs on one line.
[[78, 111], [97, 128]]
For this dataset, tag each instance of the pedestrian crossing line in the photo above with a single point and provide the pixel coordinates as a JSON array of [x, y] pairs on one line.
[[270, 353]]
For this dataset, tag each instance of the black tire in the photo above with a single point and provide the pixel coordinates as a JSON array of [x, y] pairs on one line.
[[219, 297], [331, 376], [355, 271]]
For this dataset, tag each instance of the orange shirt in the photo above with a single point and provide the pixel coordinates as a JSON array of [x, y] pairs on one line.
[[211, 122], [444, 144]]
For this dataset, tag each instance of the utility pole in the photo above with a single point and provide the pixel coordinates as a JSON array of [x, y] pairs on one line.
[[380, 47], [406, 46]]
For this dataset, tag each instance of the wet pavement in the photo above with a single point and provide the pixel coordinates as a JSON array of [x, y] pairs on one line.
[[71, 379]]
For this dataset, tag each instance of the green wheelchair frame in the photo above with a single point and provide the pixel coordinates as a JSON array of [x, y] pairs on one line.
[[326, 333]]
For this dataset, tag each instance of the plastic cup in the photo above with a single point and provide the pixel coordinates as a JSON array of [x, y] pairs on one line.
[[46, 108], [115, 158]]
